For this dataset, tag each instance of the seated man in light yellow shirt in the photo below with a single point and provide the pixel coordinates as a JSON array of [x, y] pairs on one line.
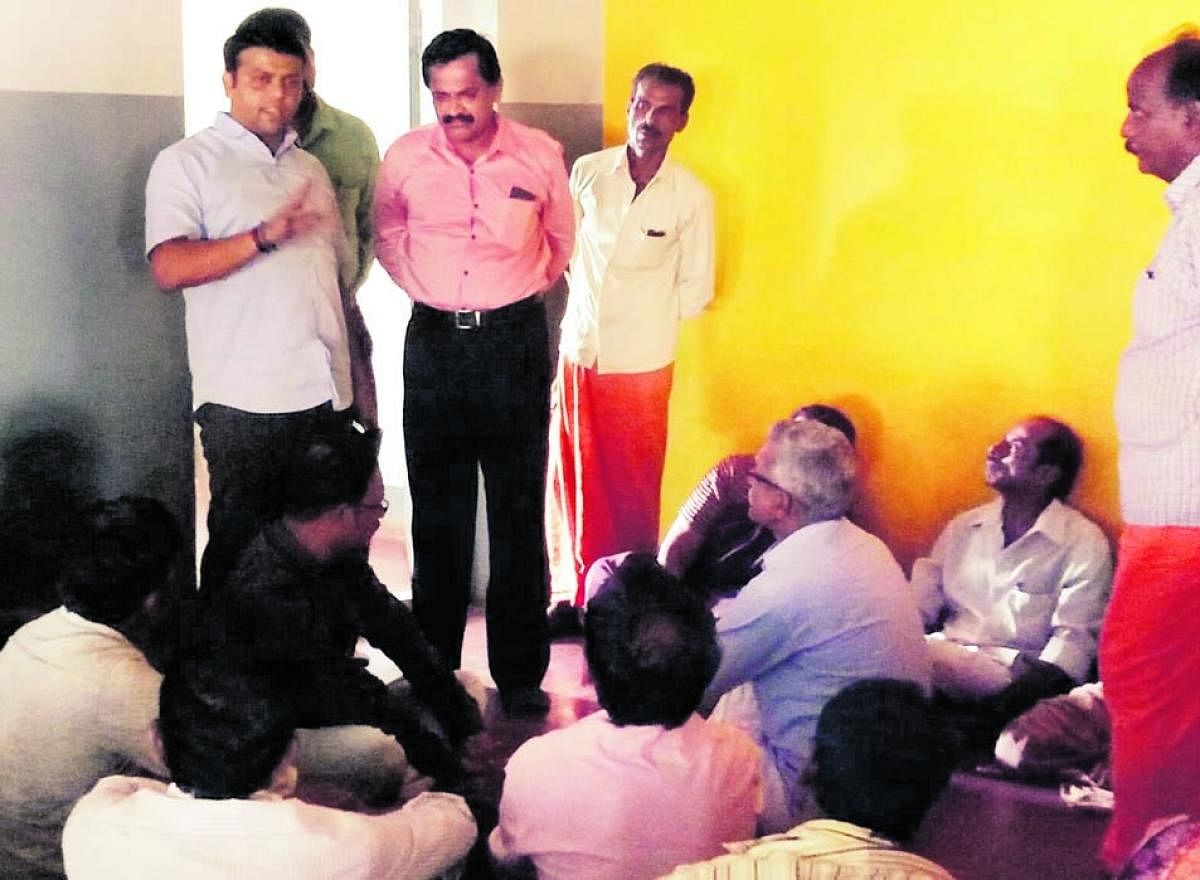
[[879, 764]]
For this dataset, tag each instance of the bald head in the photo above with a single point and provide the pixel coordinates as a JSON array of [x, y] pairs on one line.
[[1162, 127]]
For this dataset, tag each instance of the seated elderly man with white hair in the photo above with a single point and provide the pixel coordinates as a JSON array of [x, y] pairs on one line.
[[829, 607]]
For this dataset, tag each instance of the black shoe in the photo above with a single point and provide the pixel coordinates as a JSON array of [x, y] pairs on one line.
[[564, 621], [524, 702]]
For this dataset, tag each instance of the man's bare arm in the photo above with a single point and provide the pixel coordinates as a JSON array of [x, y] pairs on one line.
[[183, 262]]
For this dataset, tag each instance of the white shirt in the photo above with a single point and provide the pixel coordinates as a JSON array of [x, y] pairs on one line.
[[594, 801], [132, 828], [639, 265], [77, 702], [1158, 384], [1045, 592], [830, 608], [269, 337]]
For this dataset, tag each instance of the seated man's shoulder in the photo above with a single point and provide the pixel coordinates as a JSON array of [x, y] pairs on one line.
[[838, 848], [726, 739], [975, 516], [61, 635], [734, 470], [562, 743], [1078, 528]]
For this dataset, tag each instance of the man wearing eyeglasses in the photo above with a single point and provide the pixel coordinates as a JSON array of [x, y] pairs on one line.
[[830, 607], [302, 595]]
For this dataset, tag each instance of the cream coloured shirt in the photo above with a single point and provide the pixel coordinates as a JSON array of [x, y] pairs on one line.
[[77, 702], [823, 849], [639, 265], [132, 828], [1045, 592]]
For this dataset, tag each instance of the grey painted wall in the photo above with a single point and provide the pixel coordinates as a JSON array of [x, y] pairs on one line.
[[94, 393]]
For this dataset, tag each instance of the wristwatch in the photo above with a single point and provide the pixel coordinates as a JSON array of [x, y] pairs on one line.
[[264, 246]]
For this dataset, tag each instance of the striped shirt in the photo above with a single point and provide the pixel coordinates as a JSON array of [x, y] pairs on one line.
[[1158, 385]]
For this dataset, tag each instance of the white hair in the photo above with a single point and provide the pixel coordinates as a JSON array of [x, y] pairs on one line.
[[815, 464]]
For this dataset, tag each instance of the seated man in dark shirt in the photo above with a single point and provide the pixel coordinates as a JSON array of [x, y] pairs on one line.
[[303, 592]]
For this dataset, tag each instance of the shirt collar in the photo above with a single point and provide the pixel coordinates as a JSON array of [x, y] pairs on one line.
[[505, 140], [813, 531], [280, 538], [231, 128], [1051, 522], [263, 794], [1182, 187], [620, 165]]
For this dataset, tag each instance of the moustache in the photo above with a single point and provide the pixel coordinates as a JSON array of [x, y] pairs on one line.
[[461, 117], [649, 130]]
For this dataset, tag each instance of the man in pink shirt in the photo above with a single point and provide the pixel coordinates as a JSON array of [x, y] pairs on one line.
[[473, 220], [645, 784]]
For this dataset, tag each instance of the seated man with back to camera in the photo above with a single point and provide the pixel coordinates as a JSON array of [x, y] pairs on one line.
[[78, 697], [225, 732], [880, 761], [303, 593], [828, 608], [1018, 584], [646, 783]]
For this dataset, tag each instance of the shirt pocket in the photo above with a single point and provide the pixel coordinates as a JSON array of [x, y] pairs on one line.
[[519, 219], [1032, 606], [650, 246]]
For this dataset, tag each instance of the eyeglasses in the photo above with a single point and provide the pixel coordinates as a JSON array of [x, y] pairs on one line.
[[759, 478], [381, 508], [756, 476]]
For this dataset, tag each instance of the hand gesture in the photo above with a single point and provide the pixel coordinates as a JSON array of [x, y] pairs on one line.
[[294, 217]]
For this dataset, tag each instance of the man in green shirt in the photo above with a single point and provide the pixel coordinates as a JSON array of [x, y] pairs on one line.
[[347, 148]]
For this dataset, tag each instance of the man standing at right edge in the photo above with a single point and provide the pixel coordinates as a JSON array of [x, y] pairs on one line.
[[1149, 655], [473, 220]]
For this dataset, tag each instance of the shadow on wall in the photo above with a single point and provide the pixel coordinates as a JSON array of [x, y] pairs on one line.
[[48, 477]]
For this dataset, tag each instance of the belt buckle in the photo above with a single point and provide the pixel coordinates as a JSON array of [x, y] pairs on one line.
[[468, 319]]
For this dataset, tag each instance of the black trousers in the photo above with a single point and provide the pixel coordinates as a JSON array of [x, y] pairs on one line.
[[247, 456], [478, 396]]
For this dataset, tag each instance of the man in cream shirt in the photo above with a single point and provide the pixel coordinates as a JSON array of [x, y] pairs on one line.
[[643, 260]]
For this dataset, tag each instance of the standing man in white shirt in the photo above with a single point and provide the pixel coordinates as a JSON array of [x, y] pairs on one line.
[[245, 223], [643, 260], [1149, 658], [1016, 587]]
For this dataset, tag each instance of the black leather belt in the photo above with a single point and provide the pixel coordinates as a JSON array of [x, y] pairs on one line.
[[478, 319]]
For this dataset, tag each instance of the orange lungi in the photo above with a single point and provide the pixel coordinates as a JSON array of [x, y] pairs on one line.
[[608, 439], [1150, 667]]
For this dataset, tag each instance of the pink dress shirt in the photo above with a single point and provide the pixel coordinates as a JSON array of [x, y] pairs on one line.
[[481, 236]]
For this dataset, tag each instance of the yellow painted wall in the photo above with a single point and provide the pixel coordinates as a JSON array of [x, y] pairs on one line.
[[926, 217]]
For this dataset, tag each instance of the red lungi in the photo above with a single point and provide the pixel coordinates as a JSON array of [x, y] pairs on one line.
[[1150, 667], [608, 439]]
